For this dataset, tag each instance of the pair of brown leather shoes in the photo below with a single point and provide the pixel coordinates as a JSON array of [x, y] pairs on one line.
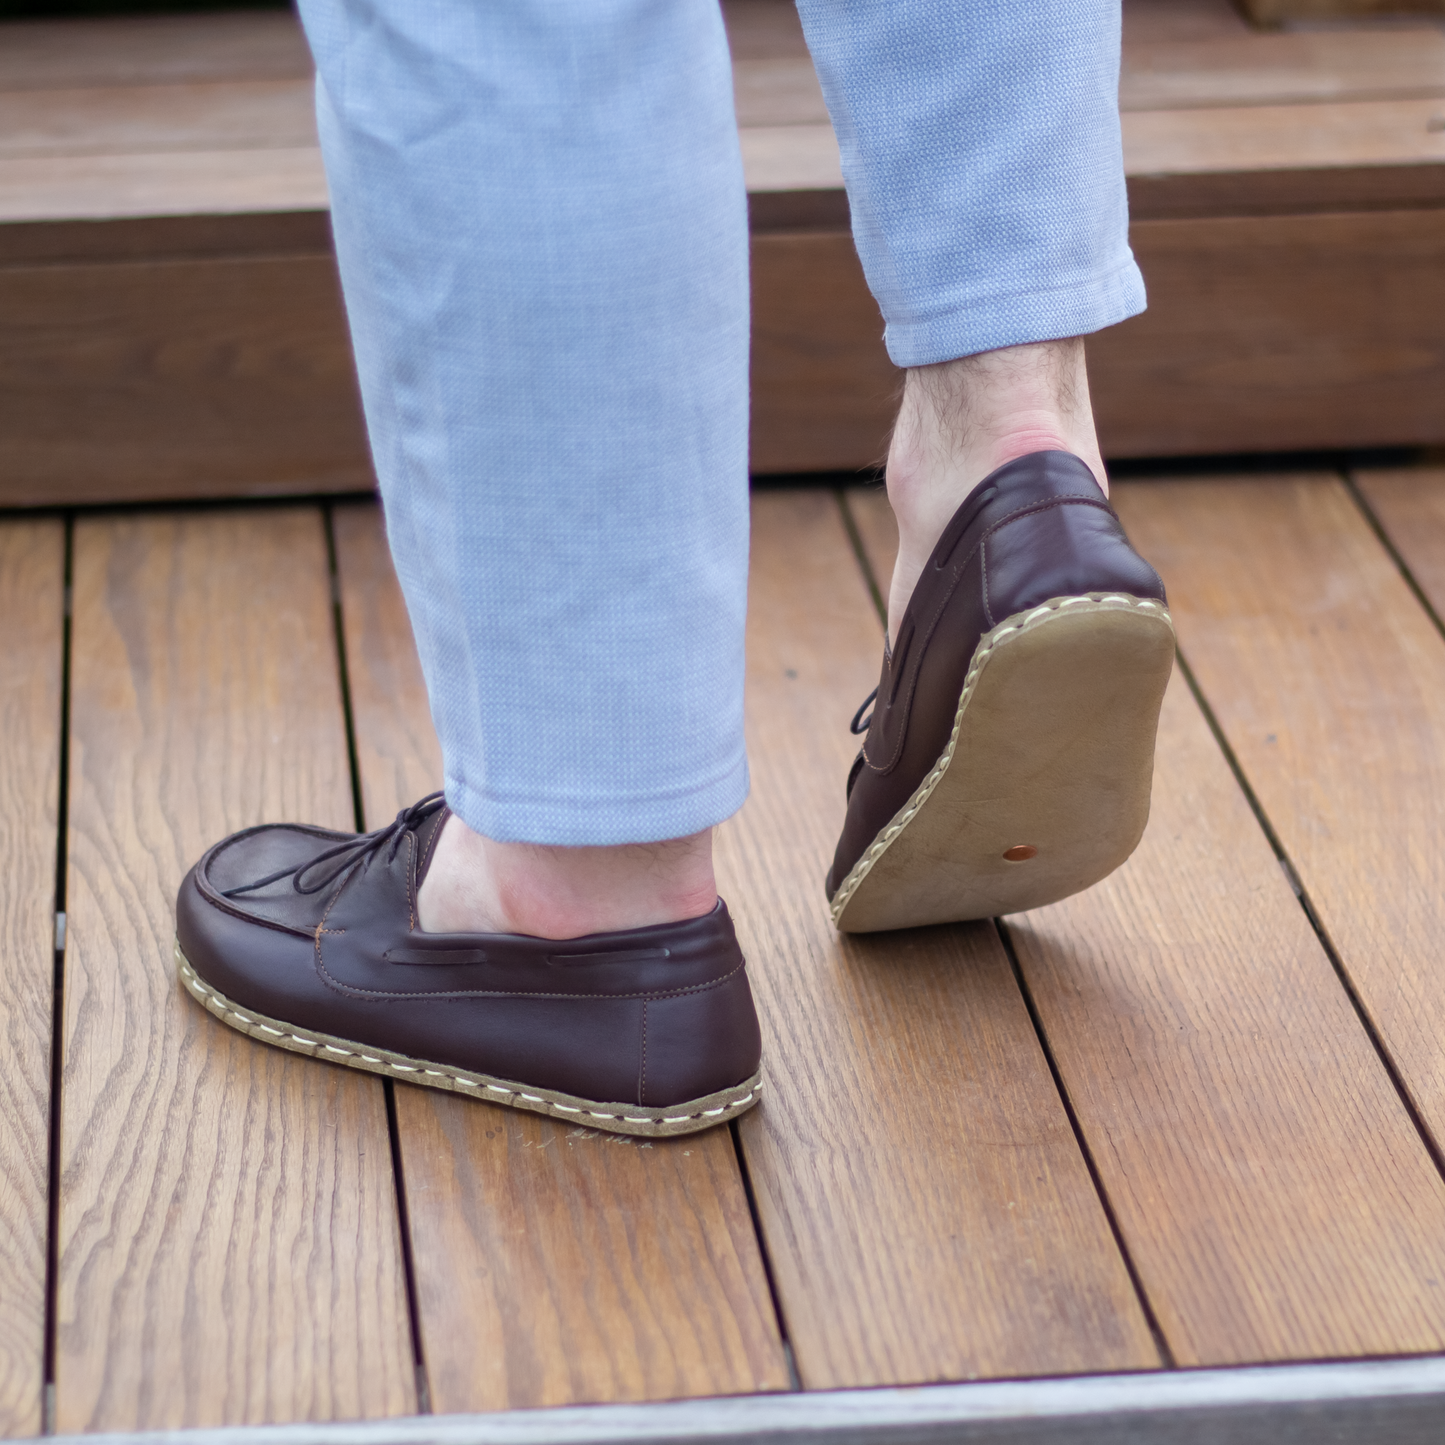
[[1007, 764]]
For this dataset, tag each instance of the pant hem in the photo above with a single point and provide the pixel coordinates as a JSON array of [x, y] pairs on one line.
[[987, 324], [573, 822]]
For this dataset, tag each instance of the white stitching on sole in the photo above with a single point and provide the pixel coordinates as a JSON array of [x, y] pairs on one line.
[[1111, 600], [319, 1047]]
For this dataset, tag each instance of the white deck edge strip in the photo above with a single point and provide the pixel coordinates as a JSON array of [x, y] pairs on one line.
[[1382, 1402]]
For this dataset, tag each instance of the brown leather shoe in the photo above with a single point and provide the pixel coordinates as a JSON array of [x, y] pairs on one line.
[[307, 939], [1010, 752]]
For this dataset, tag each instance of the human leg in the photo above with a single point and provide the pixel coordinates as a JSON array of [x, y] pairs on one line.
[[961, 420], [541, 226], [981, 149], [558, 414], [542, 239], [1008, 757]]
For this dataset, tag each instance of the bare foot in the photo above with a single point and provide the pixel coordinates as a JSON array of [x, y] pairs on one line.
[[960, 420], [477, 885]]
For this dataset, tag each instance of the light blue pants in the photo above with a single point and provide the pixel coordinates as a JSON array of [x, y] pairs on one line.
[[541, 225]]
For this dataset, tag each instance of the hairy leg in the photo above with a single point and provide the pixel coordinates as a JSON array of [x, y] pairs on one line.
[[960, 420]]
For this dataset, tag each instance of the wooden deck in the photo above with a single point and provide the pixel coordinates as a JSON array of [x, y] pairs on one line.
[[1188, 1120]]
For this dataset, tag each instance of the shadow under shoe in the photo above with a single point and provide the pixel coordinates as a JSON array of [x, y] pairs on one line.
[[1010, 753]]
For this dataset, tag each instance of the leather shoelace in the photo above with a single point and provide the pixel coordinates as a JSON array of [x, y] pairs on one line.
[[861, 724], [343, 855]]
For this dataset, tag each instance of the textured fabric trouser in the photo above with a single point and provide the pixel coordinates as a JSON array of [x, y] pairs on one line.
[[541, 225]]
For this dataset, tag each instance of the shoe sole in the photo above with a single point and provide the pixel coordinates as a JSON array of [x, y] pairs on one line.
[[1050, 760], [632, 1119]]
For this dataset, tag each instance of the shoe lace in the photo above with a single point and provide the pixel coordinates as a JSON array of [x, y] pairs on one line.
[[343, 855], [861, 724]]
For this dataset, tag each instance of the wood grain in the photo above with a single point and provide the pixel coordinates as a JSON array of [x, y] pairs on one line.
[[1269, 333], [152, 49], [1409, 502], [1272, 1191], [923, 1201], [824, 392], [229, 1247], [166, 238], [1277, 69], [764, 30], [1148, 21], [32, 572], [791, 158], [1276, 12], [210, 116], [167, 183], [181, 378], [1328, 680], [777, 90], [554, 1265], [1232, 160]]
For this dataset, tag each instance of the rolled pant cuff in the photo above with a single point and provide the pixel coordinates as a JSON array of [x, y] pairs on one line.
[[581, 822], [990, 323]]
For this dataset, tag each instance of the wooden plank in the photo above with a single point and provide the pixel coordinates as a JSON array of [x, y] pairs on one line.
[[32, 572], [1242, 160], [1148, 21], [180, 378], [778, 90], [1328, 680], [104, 120], [1277, 69], [923, 1201], [791, 158], [175, 183], [774, 82], [166, 238], [1271, 333], [553, 1265], [764, 30], [1272, 1191], [824, 392], [1409, 502], [229, 1249], [1263, 333], [1277, 12], [152, 49]]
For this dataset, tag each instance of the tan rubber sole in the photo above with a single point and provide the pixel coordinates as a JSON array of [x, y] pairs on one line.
[[634, 1119], [1043, 788]]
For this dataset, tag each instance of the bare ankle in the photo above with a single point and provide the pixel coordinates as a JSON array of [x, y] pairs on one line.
[[961, 420], [478, 885]]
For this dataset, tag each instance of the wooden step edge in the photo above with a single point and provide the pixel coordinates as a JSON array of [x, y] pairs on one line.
[[1168, 197], [1307, 190], [171, 238], [1388, 1402]]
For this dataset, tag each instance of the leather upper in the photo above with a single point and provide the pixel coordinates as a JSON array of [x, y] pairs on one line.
[[655, 1016], [1035, 529]]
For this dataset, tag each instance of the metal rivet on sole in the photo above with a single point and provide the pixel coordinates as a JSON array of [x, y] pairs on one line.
[[1021, 853]]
